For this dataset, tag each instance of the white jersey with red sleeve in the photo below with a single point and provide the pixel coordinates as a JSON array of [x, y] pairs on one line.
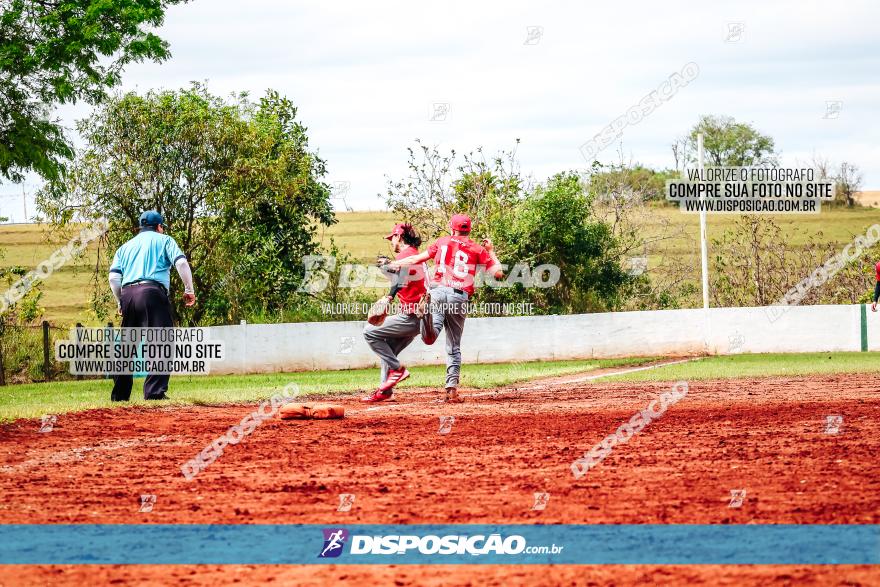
[[456, 261]]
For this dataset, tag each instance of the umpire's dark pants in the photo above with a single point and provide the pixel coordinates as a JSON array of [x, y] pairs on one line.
[[144, 304]]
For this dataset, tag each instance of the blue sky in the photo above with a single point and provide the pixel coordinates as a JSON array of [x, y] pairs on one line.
[[365, 77]]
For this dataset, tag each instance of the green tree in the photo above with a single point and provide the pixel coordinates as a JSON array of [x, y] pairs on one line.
[[531, 225], [61, 51], [21, 341], [846, 176], [849, 182], [236, 183], [621, 196], [555, 224], [730, 143], [438, 187], [647, 183]]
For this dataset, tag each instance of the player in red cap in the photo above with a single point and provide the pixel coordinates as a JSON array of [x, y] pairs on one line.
[[456, 261], [396, 332]]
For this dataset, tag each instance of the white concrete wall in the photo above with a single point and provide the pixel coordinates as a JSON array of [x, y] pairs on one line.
[[267, 348]]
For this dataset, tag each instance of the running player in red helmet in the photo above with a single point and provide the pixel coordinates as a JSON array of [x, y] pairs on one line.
[[396, 332], [456, 261]]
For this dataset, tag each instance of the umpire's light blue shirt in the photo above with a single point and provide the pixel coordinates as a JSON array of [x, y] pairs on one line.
[[149, 255]]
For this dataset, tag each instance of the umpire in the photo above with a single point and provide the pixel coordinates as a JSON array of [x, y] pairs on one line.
[[140, 278]]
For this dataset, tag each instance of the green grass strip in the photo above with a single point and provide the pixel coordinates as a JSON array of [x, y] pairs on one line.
[[33, 400], [763, 365]]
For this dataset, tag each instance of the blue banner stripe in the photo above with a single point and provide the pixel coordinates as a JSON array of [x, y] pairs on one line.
[[661, 544]]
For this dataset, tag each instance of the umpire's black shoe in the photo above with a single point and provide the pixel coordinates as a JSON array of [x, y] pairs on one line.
[[157, 397]]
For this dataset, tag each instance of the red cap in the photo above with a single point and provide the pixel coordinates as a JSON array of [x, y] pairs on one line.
[[397, 230], [460, 222]]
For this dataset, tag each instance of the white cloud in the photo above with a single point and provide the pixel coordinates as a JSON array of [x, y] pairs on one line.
[[365, 75]]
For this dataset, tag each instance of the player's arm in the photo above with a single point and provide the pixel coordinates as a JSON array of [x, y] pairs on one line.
[[115, 279], [494, 269], [185, 273], [178, 259], [411, 260], [876, 296]]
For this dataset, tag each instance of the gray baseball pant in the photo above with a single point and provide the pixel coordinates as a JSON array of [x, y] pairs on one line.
[[390, 338], [449, 309]]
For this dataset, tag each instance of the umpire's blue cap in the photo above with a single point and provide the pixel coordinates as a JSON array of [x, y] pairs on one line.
[[151, 218]]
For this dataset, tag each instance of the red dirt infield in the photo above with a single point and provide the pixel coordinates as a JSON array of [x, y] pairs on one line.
[[767, 436]]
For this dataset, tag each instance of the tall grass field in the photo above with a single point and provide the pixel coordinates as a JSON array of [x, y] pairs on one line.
[[66, 292]]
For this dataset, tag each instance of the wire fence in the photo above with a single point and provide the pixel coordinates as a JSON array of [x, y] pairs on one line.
[[27, 353]]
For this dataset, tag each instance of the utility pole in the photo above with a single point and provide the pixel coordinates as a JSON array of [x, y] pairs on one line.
[[704, 248]]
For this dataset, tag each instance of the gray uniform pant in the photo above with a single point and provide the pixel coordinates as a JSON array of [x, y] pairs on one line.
[[449, 309], [390, 338]]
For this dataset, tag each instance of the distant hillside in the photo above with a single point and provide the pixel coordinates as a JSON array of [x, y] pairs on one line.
[[868, 198], [361, 234]]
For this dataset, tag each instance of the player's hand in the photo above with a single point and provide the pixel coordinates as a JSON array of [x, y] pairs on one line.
[[873, 306], [119, 310], [487, 244], [386, 265], [189, 299]]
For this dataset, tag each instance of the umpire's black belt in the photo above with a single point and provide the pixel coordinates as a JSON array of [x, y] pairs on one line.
[[146, 282]]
